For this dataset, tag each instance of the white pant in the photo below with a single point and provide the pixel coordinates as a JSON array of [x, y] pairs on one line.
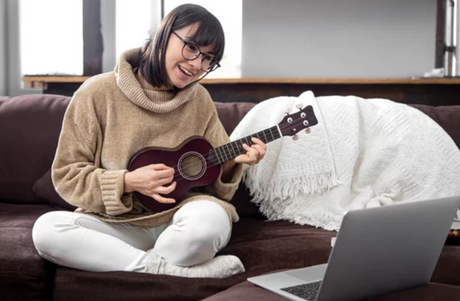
[[196, 233]]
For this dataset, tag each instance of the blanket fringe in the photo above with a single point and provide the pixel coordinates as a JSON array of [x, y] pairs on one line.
[[288, 188], [294, 212]]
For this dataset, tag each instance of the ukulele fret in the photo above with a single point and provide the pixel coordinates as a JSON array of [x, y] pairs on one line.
[[228, 153], [213, 158], [273, 138], [219, 152], [265, 136], [248, 140], [235, 154], [235, 148]]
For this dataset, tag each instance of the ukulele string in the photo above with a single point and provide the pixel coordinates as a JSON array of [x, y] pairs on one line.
[[211, 158]]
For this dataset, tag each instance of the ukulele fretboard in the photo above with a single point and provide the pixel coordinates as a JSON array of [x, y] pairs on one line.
[[235, 148]]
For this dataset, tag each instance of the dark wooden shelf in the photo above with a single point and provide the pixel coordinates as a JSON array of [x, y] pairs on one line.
[[430, 91], [40, 81]]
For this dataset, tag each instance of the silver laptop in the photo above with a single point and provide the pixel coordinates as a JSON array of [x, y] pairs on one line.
[[377, 251]]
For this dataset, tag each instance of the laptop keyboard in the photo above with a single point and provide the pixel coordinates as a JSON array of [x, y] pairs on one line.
[[307, 291]]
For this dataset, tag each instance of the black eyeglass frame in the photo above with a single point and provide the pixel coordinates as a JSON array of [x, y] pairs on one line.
[[211, 67]]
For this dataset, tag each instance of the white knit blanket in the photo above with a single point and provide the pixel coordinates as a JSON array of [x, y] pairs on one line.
[[363, 153]]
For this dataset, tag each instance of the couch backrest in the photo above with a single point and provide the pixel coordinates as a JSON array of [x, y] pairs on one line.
[[29, 131], [230, 113], [30, 126], [448, 117]]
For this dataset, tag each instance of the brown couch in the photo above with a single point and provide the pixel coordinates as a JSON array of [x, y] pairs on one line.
[[29, 129]]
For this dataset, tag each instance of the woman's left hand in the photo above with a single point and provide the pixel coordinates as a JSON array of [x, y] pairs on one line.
[[254, 153]]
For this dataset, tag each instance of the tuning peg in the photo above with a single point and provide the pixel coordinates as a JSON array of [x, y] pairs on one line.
[[308, 130], [295, 137], [299, 106], [287, 110]]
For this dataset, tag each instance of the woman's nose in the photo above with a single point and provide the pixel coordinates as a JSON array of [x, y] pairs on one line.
[[196, 63]]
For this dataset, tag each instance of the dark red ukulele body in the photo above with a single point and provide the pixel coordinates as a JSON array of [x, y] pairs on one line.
[[191, 165]]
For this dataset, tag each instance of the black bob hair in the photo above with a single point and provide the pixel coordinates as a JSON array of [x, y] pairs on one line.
[[209, 31]]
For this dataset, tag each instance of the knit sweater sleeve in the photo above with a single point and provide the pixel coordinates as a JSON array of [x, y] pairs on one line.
[[217, 136], [76, 172]]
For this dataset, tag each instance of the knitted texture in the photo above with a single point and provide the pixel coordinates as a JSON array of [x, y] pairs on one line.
[[218, 267], [363, 153]]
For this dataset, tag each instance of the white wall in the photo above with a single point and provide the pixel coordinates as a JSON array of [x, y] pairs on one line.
[[338, 38], [3, 69]]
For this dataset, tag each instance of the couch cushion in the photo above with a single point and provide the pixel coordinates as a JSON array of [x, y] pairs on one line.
[[30, 126], [231, 113], [243, 205], [267, 246], [447, 269], [78, 285], [448, 117], [261, 246], [44, 189], [24, 275]]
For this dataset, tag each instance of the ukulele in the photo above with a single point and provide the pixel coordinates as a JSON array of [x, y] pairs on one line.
[[196, 163]]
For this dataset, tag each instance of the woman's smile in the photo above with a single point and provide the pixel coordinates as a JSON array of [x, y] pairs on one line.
[[186, 71]]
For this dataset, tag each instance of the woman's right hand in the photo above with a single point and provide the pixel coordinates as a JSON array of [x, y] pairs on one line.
[[152, 180]]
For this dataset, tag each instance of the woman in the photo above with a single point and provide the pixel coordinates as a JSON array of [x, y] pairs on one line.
[[151, 99]]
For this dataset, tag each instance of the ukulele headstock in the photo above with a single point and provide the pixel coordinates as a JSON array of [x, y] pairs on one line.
[[293, 123]]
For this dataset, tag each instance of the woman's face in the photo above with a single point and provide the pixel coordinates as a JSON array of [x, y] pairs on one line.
[[181, 71]]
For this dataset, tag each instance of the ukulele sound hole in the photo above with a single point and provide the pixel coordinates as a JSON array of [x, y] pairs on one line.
[[192, 165]]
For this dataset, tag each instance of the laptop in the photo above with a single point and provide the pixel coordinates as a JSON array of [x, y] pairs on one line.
[[377, 251]]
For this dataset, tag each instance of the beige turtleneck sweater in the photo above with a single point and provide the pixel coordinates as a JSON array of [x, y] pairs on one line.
[[110, 118]]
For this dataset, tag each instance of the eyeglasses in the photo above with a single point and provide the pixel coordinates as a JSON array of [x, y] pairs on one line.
[[191, 51]]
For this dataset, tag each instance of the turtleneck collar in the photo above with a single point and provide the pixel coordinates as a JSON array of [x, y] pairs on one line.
[[155, 101]]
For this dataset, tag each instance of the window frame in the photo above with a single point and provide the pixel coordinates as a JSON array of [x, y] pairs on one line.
[[92, 38]]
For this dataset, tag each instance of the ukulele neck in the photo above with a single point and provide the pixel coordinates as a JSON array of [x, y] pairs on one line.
[[235, 148]]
